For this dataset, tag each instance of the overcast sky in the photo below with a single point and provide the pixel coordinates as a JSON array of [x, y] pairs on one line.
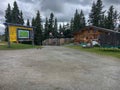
[[62, 9]]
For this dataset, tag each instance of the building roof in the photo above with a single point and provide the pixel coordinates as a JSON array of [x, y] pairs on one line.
[[11, 24], [104, 29], [97, 28]]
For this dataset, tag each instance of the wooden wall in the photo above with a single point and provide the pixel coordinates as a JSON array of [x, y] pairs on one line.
[[86, 35]]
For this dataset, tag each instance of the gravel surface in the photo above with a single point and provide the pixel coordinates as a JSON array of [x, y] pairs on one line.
[[57, 68]]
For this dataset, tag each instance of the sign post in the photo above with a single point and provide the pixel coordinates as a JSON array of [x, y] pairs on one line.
[[8, 38]]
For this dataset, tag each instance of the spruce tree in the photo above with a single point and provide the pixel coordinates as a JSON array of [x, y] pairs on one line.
[[38, 31], [71, 25], [51, 23], [99, 12], [21, 18], [61, 30], [92, 15], [96, 14], [82, 20], [33, 22], [55, 32], [8, 14], [103, 21], [15, 14], [28, 22], [76, 25], [46, 32], [7, 20], [110, 18], [79, 21]]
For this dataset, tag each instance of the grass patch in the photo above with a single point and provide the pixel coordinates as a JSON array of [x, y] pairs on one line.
[[15, 46], [100, 51]]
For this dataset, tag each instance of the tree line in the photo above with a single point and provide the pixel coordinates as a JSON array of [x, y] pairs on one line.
[[102, 18], [51, 29]]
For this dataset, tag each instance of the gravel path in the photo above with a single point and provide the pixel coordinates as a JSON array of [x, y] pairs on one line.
[[57, 68]]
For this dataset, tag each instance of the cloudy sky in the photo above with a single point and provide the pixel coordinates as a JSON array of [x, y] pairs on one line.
[[62, 9]]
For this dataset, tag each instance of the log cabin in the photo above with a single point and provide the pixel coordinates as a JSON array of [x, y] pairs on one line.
[[90, 33]]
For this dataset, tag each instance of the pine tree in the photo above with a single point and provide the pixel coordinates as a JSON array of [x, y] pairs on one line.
[[96, 14], [76, 25], [60, 28], [28, 22], [78, 22], [92, 15], [115, 15], [71, 25], [67, 31], [51, 24], [8, 14], [55, 32], [103, 21], [7, 20], [61, 31], [46, 32], [110, 18], [82, 20], [99, 12], [33, 22], [38, 31], [15, 14], [21, 18]]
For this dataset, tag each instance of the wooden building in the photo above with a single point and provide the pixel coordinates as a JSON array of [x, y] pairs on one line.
[[90, 33]]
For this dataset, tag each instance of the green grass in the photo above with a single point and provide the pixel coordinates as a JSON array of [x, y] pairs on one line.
[[15, 46], [100, 51]]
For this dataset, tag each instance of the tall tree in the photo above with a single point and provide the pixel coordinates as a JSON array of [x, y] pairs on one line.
[[7, 20], [8, 14], [28, 22], [92, 15], [110, 19], [46, 32], [79, 21], [76, 25], [82, 19], [67, 31], [103, 21], [21, 18], [55, 32], [38, 31], [61, 31], [33, 22], [96, 13], [99, 11], [51, 23], [15, 14], [71, 25], [60, 28]]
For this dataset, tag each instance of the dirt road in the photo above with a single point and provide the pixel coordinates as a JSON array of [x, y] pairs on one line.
[[57, 68]]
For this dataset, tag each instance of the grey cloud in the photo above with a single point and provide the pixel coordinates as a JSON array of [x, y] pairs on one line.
[[81, 2], [64, 18], [117, 2], [27, 1], [73, 1], [54, 6], [1, 12]]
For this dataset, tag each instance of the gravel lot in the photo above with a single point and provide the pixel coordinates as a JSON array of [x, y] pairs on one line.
[[57, 68]]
